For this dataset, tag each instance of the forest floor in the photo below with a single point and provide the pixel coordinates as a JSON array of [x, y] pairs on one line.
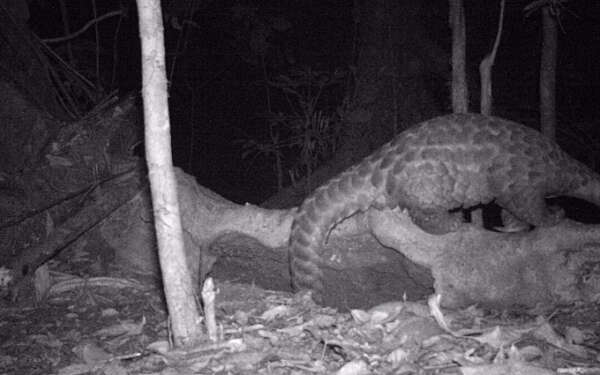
[[117, 325]]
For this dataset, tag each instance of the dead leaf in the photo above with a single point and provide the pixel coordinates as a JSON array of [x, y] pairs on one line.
[[91, 353], [275, 312], [127, 328], [356, 367], [546, 332], [379, 314]]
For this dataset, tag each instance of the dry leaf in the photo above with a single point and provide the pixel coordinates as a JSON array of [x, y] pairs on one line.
[[275, 312], [126, 328], [357, 367]]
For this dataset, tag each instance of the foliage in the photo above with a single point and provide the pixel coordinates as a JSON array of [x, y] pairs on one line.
[[257, 31], [307, 134]]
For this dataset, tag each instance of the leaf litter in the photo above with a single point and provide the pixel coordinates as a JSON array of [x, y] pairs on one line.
[[116, 326]]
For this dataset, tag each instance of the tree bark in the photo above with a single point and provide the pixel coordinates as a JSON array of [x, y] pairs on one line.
[[548, 74], [177, 280], [460, 91], [486, 65]]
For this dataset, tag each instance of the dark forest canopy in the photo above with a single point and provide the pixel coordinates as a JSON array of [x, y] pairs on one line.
[[220, 54]]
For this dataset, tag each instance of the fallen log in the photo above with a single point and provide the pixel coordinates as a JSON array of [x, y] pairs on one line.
[[373, 257]]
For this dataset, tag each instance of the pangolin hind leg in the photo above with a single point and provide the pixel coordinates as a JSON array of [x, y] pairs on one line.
[[511, 223], [436, 221], [530, 206]]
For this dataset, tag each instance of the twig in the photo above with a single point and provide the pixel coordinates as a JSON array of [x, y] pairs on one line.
[[84, 28]]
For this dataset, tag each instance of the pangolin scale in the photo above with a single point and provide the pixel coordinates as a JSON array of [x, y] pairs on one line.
[[448, 162]]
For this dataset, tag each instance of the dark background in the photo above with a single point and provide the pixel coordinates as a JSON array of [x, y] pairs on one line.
[[217, 90]]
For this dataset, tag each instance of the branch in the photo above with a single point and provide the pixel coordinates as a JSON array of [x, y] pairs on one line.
[[84, 28]]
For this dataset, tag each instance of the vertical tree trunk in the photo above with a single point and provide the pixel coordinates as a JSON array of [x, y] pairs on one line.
[[177, 280], [460, 91], [548, 74], [485, 68]]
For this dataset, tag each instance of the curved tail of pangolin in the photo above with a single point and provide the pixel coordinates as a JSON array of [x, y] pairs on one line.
[[352, 191]]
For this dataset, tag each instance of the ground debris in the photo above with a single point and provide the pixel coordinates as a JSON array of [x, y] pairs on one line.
[[125, 330]]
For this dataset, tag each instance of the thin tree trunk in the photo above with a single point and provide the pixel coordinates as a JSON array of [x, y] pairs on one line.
[[548, 74], [485, 68], [177, 280], [64, 13], [460, 91]]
